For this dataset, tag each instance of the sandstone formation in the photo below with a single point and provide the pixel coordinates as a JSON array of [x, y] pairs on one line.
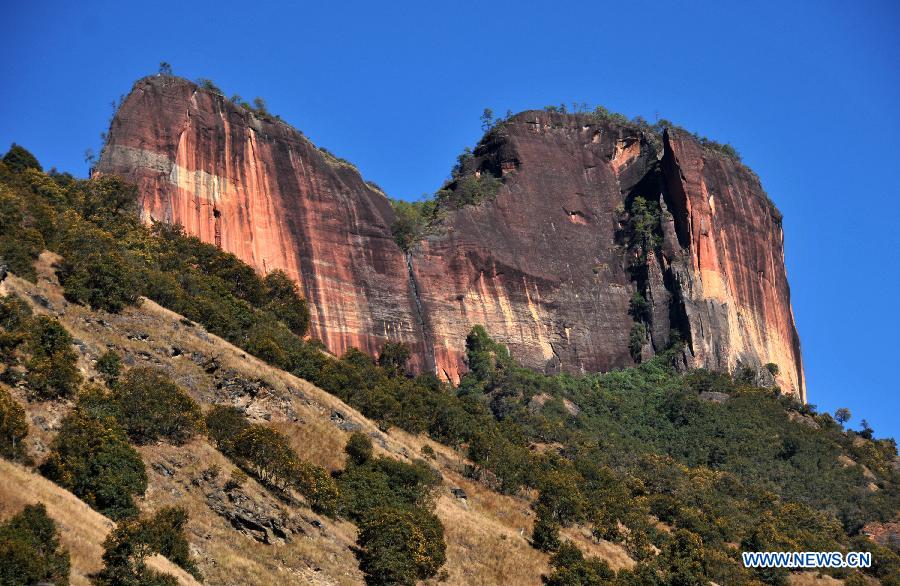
[[545, 265]]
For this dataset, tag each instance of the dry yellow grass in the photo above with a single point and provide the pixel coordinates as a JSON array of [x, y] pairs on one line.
[[82, 529], [487, 535]]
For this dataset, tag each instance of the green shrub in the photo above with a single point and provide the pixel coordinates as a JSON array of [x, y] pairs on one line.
[[400, 546], [29, 550], [385, 481], [109, 365], [469, 190], [52, 370], [317, 487], [13, 427], [393, 358], [267, 455], [92, 458], [126, 548], [570, 568], [163, 533], [151, 406], [100, 279], [224, 424], [359, 448]]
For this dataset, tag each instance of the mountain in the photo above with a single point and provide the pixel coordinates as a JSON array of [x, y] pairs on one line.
[[599, 240], [153, 380]]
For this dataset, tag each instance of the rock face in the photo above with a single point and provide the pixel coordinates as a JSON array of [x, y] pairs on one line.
[[545, 265], [259, 189]]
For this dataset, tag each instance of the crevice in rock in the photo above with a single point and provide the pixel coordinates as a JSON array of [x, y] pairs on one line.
[[420, 315]]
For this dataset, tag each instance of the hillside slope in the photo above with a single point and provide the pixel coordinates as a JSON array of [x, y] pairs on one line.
[[487, 533], [82, 529]]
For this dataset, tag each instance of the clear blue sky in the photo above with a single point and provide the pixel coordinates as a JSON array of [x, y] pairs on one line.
[[809, 92]]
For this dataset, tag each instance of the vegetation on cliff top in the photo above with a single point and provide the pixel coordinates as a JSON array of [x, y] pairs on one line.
[[616, 453]]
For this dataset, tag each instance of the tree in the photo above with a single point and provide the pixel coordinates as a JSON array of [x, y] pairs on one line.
[[52, 364], [259, 105], [92, 458], [842, 415], [30, 552], [284, 301], [487, 119], [224, 424], [13, 426], [400, 546], [570, 568], [165, 68], [18, 159], [393, 357], [152, 406], [545, 534], [127, 546]]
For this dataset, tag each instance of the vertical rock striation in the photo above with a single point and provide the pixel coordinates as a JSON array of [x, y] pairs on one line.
[[545, 265], [259, 189]]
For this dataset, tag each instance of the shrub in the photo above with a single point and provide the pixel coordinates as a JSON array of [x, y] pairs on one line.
[[570, 568], [101, 279], [385, 482], [224, 424], [163, 533], [400, 546], [317, 487], [267, 455], [393, 357], [359, 448], [636, 339], [13, 426], [29, 550], [126, 548], [52, 364], [152, 406], [92, 458], [109, 365], [470, 190]]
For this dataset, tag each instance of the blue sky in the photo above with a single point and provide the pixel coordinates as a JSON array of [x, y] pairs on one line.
[[809, 92]]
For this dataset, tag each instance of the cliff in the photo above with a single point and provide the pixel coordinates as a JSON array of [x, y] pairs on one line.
[[547, 264]]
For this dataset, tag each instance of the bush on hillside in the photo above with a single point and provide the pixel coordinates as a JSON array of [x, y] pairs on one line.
[[52, 370], [151, 406], [400, 546], [129, 544], [30, 552], [92, 458]]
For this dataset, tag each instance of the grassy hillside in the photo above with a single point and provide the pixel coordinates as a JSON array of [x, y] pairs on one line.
[[646, 475]]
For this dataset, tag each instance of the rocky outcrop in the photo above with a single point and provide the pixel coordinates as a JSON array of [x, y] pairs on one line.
[[260, 189], [545, 265]]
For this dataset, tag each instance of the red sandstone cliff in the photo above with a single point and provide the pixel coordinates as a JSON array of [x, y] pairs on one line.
[[542, 265], [262, 191]]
